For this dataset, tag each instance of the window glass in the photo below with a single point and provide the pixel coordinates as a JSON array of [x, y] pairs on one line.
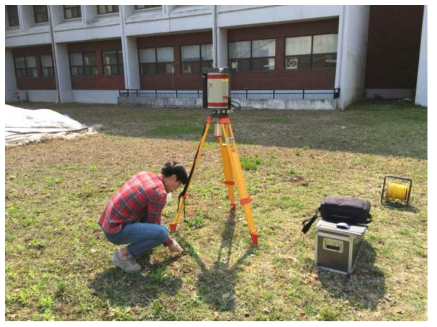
[[190, 53], [46, 61], [31, 62], [165, 54], [20, 62], [147, 55], [239, 50], [206, 50], [110, 57], [263, 48], [41, 14], [325, 43], [298, 45], [89, 59], [76, 59]]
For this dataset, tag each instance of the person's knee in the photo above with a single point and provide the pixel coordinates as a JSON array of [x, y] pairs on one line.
[[163, 235]]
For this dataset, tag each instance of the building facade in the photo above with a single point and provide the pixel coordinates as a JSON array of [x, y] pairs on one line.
[[90, 53]]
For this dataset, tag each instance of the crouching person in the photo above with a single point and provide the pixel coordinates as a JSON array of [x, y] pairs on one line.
[[133, 215]]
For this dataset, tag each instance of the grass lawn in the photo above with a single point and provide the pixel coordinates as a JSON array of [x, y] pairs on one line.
[[58, 263]]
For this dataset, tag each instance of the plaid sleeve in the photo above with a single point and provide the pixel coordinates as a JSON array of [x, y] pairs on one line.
[[155, 207]]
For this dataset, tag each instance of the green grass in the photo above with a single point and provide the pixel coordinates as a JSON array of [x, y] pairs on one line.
[[58, 263]]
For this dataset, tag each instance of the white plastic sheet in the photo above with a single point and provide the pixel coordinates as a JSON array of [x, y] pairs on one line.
[[24, 126]]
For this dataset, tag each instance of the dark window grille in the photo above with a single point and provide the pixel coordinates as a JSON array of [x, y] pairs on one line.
[[107, 9], [13, 16], [47, 66], [41, 14], [25, 66], [71, 12], [113, 62], [83, 64]]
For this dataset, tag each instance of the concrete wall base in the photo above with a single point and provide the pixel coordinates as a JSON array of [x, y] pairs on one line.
[[245, 103]]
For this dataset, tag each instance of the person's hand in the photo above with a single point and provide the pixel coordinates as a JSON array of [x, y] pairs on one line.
[[175, 247]]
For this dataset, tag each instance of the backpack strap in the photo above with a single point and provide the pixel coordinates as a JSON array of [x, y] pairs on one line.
[[307, 223]]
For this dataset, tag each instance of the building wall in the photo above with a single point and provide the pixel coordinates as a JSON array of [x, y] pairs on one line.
[[422, 76], [35, 83], [280, 78], [101, 81], [393, 47], [352, 69], [178, 80]]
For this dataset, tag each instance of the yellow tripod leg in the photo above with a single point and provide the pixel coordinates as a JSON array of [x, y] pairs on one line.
[[238, 175], [173, 225], [227, 170]]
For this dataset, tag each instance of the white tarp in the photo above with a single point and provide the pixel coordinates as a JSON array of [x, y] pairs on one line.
[[23, 126]]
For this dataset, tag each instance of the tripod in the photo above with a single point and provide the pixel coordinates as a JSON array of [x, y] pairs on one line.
[[231, 169]]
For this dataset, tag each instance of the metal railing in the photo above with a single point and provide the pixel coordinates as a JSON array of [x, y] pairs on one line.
[[237, 94]]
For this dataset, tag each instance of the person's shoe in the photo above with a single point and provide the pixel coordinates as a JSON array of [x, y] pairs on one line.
[[127, 264]]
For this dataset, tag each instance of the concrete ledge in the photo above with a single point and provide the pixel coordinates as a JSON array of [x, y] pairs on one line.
[[245, 103]]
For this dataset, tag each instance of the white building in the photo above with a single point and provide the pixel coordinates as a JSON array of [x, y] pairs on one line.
[[90, 53]]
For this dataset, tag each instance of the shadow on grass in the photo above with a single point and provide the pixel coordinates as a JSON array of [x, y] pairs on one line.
[[216, 285], [364, 288], [125, 289], [400, 207]]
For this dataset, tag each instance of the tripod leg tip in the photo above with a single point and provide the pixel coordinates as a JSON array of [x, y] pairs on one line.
[[255, 237], [173, 227]]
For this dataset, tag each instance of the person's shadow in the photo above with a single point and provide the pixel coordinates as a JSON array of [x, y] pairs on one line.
[[216, 285], [364, 287], [125, 289]]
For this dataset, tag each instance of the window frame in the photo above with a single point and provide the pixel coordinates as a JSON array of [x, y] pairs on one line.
[[8, 7], [199, 61], [156, 61], [311, 54], [106, 8], [111, 65], [83, 65], [79, 9], [251, 58], [51, 68], [26, 68], [147, 7], [46, 12]]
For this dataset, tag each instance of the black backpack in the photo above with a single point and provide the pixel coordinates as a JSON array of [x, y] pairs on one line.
[[341, 209]]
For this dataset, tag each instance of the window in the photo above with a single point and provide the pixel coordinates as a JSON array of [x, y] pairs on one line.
[[145, 7], [106, 9], [263, 55], [25, 67], [195, 57], [13, 16], [71, 12], [41, 14], [113, 62], [311, 52], [47, 66], [256, 55], [83, 64], [156, 60]]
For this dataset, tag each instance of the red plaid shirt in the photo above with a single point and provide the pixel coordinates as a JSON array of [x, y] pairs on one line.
[[141, 199]]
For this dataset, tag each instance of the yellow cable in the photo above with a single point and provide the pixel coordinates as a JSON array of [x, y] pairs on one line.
[[397, 191]]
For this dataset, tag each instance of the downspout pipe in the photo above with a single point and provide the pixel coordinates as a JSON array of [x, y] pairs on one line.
[[214, 36], [52, 38]]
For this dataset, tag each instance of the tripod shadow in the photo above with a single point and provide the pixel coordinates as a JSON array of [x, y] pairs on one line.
[[125, 289], [399, 207], [364, 288], [216, 285]]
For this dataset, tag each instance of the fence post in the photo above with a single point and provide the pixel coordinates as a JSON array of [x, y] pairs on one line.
[[176, 94], [156, 93], [274, 93], [303, 94], [246, 94], [137, 93]]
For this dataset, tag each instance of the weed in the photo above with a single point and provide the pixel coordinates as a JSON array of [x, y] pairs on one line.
[[53, 181], [250, 163]]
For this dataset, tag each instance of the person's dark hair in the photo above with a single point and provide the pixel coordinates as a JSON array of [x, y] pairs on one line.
[[175, 168]]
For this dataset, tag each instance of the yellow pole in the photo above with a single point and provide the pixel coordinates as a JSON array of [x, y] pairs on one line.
[[174, 224]]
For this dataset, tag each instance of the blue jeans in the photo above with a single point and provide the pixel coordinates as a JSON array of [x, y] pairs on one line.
[[141, 237]]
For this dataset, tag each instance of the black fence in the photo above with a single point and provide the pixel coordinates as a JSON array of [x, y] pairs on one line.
[[237, 94]]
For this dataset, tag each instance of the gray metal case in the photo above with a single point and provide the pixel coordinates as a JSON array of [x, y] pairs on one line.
[[337, 249]]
